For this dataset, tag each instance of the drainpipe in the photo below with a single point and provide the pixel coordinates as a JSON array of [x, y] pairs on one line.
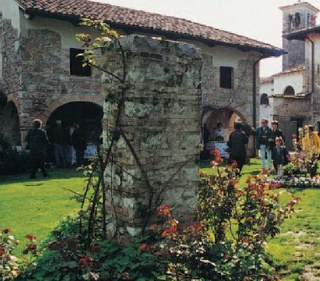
[[254, 99], [312, 66], [312, 72]]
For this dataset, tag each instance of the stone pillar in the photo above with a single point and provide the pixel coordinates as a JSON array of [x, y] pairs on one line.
[[161, 123]]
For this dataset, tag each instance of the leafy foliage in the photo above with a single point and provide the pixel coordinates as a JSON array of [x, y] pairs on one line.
[[304, 158], [11, 161], [66, 257], [12, 267]]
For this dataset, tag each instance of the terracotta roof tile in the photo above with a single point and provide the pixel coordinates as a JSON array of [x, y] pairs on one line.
[[151, 22]]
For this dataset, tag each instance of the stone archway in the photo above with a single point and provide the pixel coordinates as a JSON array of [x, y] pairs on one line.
[[56, 104], [211, 117], [11, 123], [87, 114]]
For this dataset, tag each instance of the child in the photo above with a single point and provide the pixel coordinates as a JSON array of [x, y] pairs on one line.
[[280, 156]]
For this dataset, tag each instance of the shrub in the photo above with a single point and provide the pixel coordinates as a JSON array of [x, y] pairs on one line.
[[66, 257], [11, 161], [12, 267]]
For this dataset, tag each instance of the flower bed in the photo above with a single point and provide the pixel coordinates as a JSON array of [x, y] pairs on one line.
[[296, 182]]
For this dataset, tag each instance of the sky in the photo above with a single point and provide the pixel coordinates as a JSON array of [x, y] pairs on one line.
[[256, 19]]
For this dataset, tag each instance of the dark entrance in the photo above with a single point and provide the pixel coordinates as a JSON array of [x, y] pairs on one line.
[[10, 123], [87, 114]]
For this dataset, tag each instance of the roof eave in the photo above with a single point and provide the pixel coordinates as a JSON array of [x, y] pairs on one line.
[[265, 52]]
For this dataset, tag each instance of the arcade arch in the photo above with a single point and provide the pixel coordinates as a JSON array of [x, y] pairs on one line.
[[11, 123], [87, 114]]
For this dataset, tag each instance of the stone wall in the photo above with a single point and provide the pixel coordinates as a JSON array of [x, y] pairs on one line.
[[238, 99], [11, 70], [161, 119], [47, 83], [36, 75]]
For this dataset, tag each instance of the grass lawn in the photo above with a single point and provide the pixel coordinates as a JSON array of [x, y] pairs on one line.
[[36, 206]]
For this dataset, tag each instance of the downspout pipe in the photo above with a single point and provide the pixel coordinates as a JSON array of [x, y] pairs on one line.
[[312, 73], [312, 65], [254, 98]]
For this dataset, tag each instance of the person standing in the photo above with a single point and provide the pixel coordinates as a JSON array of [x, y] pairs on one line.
[[263, 135], [79, 143], [275, 133], [59, 141], [37, 142], [237, 144], [218, 133], [311, 139], [280, 156]]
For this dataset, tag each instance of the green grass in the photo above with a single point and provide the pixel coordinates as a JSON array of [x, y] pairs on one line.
[[36, 206]]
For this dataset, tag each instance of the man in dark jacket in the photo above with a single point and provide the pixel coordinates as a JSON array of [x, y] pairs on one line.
[[263, 136], [37, 142], [79, 143], [237, 144]]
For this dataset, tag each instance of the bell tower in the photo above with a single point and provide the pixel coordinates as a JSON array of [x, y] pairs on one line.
[[296, 17]]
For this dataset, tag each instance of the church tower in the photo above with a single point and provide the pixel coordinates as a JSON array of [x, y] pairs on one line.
[[298, 16]]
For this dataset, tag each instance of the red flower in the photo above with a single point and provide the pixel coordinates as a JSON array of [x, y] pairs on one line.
[[143, 246], [215, 152], [31, 237], [84, 260], [32, 247], [2, 252], [6, 230], [163, 210]]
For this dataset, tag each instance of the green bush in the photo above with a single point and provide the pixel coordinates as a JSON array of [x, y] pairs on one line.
[[66, 256], [11, 161], [12, 267]]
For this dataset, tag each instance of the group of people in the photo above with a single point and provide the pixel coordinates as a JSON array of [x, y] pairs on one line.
[[270, 143], [64, 142]]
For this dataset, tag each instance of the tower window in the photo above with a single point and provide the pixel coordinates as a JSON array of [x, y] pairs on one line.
[[76, 64], [289, 91], [264, 99], [226, 77]]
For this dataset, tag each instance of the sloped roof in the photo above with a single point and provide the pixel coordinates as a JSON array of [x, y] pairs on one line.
[[270, 79], [141, 21]]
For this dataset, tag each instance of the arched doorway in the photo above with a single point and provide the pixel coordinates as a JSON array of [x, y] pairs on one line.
[[11, 124], [87, 114], [289, 91], [211, 119]]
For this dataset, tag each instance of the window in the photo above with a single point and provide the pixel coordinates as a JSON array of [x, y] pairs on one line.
[[264, 99], [289, 91], [76, 64], [226, 77]]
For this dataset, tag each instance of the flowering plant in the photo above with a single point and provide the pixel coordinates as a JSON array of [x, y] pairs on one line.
[[304, 159], [10, 266]]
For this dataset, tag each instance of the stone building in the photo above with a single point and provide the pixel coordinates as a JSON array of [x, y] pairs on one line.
[[182, 75], [40, 75], [291, 95]]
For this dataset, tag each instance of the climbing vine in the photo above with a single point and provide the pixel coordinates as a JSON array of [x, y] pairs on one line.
[[107, 54]]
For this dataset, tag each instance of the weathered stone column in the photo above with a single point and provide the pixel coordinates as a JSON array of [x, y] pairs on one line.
[[161, 126]]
